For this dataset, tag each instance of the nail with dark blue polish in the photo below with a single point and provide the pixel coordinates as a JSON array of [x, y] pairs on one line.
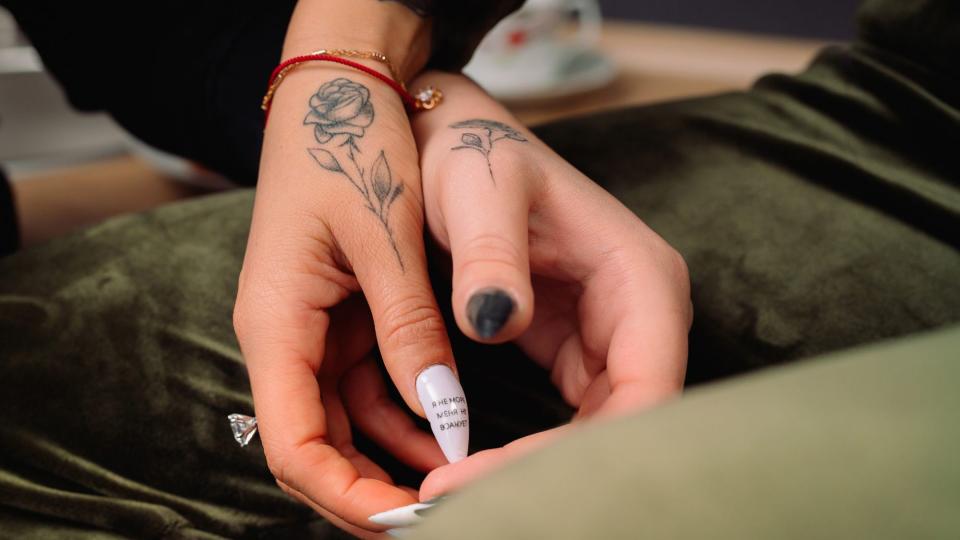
[[489, 310]]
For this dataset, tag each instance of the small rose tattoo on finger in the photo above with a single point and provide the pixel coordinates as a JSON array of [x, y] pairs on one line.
[[483, 135]]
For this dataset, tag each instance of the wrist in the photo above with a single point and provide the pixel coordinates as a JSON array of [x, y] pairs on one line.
[[386, 27]]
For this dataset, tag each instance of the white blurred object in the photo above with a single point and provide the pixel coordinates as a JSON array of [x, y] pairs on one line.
[[9, 35], [37, 125], [528, 56], [39, 129], [178, 168], [36, 122]]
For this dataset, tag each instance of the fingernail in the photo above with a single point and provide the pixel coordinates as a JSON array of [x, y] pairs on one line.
[[445, 406], [489, 310], [399, 532], [405, 516]]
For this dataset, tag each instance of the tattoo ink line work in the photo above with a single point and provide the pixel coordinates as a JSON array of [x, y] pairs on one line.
[[490, 132], [340, 113], [423, 8]]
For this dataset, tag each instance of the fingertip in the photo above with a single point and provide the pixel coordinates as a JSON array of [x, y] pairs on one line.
[[436, 483], [450, 478]]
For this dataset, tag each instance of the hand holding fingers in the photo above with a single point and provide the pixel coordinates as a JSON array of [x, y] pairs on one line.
[[612, 298], [338, 212]]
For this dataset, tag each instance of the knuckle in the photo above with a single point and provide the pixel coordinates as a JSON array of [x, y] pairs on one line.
[[677, 266], [411, 321], [241, 318], [249, 305], [277, 468], [490, 249], [249, 312], [677, 271], [284, 460], [287, 490], [280, 460]]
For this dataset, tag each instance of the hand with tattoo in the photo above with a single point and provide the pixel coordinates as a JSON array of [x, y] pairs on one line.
[[335, 269], [337, 239], [544, 257]]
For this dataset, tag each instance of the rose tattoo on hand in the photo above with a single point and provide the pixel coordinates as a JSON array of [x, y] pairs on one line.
[[340, 108], [340, 113], [490, 131]]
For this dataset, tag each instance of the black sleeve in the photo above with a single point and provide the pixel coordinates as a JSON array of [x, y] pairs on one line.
[[459, 25], [185, 77], [188, 77], [9, 231]]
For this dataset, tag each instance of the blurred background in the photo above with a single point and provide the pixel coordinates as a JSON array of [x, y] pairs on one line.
[[825, 19], [645, 51]]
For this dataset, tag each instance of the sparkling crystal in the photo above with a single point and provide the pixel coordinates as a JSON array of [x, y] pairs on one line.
[[244, 427], [426, 94]]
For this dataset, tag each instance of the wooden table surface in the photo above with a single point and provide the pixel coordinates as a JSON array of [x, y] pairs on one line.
[[659, 63]]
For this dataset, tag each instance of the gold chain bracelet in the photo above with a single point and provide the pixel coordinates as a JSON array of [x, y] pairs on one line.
[[425, 99]]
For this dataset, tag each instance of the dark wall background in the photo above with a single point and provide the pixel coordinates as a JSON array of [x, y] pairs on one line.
[[827, 19]]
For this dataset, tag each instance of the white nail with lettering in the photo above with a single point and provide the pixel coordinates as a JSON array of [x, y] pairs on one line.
[[445, 405]]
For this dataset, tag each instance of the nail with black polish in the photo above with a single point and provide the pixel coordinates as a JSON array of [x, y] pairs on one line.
[[489, 310]]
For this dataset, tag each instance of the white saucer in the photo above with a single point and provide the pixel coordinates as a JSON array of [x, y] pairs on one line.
[[550, 73]]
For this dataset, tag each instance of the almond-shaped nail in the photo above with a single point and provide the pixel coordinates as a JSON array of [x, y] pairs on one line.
[[405, 516], [488, 310], [445, 406]]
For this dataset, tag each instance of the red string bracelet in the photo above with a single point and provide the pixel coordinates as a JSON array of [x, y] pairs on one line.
[[426, 99]]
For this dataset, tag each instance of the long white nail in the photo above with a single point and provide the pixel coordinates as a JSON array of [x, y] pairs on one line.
[[405, 516], [446, 408]]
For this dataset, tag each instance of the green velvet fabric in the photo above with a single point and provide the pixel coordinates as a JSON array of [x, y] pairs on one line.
[[816, 212], [119, 368]]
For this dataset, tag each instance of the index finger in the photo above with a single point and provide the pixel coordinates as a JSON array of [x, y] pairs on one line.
[[293, 429], [641, 313], [282, 321]]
